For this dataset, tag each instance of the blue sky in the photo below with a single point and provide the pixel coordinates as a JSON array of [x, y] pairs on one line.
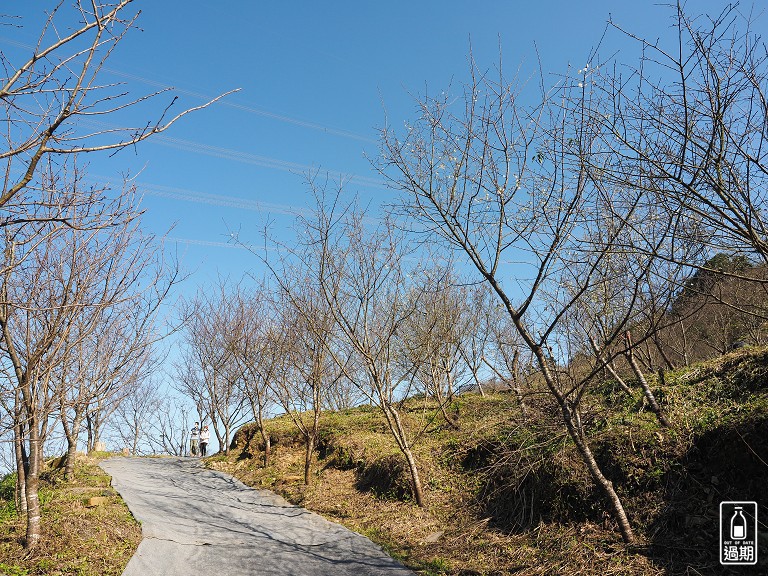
[[316, 81]]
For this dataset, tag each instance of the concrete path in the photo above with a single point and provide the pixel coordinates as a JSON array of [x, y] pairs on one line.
[[197, 521]]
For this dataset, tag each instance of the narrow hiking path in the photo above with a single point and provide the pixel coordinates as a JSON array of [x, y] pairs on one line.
[[196, 520]]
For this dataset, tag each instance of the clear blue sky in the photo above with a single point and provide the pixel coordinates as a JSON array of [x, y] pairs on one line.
[[316, 80]]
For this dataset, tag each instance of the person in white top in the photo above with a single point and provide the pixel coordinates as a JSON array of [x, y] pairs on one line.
[[205, 436]]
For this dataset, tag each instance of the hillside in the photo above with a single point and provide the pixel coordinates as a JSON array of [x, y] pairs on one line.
[[503, 495], [506, 495]]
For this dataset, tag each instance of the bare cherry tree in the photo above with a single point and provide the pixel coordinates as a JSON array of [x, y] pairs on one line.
[[305, 334], [111, 356], [109, 348], [433, 336], [502, 183], [686, 123], [131, 426], [34, 324], [503, 355], [368, 288], [169, 426], [208, 372], [48, 289], [55, 104], [258, 345], [475, 344]]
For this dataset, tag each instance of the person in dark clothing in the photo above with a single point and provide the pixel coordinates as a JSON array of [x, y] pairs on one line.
[[194, 440]]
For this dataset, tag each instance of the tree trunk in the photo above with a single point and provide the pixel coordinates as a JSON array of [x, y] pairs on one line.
[[309, 447], [265, 439], [575, 432], [644, 384], [516, 384], [396, 427], [477, 380], [660, 348], [685, 344], [609, 366], [71, 434], [451, 420], [22, 466], [69, 463], [96, 430], [619, 380], [267, 447], [418, 493], [619, 514], [32, 484], [89, 427]]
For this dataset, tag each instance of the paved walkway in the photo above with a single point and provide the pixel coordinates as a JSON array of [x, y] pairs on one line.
[[197, 521]]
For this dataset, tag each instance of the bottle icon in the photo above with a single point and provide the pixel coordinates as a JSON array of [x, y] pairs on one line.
[[738, 525]]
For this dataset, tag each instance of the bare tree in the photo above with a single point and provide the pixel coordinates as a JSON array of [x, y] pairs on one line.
[[258, 346], [503, 354], [41, 299], [715, 312], [109, 350], [307, 328], [31, 338], [55, 101], [433, 335], [132, 423], [76, 310], [475, 344], [208, 372], [169, 426], [501, 183], [366, 284], [51, 100], [686, 123]]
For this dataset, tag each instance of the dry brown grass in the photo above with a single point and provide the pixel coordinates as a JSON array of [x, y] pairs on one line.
[[447, 537], [453, 534], [511, 497]]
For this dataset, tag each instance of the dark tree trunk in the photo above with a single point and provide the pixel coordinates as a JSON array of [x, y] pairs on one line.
[[309, 447], [22, 467], [265, 439]]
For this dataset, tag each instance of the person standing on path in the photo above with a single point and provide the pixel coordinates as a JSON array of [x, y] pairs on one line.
[[194, 440], [205, 436]]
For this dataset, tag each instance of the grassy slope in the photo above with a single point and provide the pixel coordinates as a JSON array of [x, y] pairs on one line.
[[77, 539], [505, 496]]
